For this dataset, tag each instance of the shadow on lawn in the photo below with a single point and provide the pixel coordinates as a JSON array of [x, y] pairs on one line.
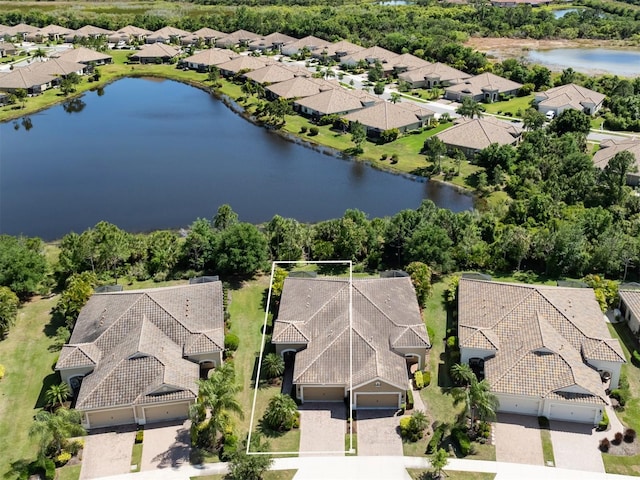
[[49, 380]]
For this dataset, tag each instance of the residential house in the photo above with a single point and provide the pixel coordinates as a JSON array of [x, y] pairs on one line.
[[243, 63], [167, 35], [239, 38], [370, 56], [275, 73], [84, 55], [299, 87], [337, 101], [130, 34], [136, 356], [310, 43], [385, 116], [630, 308], [559, 99], [205, 59], [433, 75], [472, 135], [19, 32], [274, 41], [485, 87], [405, 62], [7, 49], [25, 79], [545, 351], [209, 35], [57, 67], [610, 147], [355, 341], [337, 50], [155, 53], [50, 32], [88, 31]]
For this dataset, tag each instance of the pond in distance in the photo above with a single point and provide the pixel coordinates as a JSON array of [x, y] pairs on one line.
[[149, 154], [590, 60]]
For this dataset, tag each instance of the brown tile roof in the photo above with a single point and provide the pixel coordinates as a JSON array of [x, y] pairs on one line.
[[156, 50], [438, 71], [631, 298], [300, 87], [385, 115], [137, 341], [54, 30], [273, 39], [342, 48], [611, 146], [90, 31], [408, 61], [542, 337], [371, 55], [21, 28], [310, 42], [133, 30], [571, 95], [337, 100], [83, 55], [239, 36], [212, 56], [57, 66], [24, 78], [209, 33], [245, 62], [479, 133], [385, 315], [168, 32], [276, 73], [485, 82]]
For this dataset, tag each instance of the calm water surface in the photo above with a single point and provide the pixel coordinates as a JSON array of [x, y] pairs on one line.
[[561, 13], [617, 62], [150, 154]]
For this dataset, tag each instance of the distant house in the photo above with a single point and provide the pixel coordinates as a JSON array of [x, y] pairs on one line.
[[630, 308], [205, 59], [275, 73], [299, 87], [130, 34], [385, 116], [485, 87], [50, 32], [25, 79], [57, 67], [376, 340], [610, 147], [472, 135], [274, 41], [167, 35], [433, 75], [545, 351], [559, 99], [337, 50], [337, 101], [7, 49], [209, 35], [244, 63], [88, 31], [406, 62], [19, 32], [310, 43], [370, 56], [85, 55], [155, 53], [237, 38]]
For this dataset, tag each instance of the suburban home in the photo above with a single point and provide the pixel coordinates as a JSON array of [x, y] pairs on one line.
[[405, 62], [155, 53], [167, 35], [25, 79], [7, 49], [274, 41], [243, 63], [485, 87], [205, 59], [50, 32], [88, 31], [380, 334], [559, 99], [310, 43], [545, 351], [369, 55], [385, 116], [238, 38], [135, 356], [84, 55], [433, 75], [610, 147], [630, 308], [275, 73], [20, 31], [472, 135], [337, 101], [209, 35], [337, 50], [130, 34], [299, 87], [57, 67]]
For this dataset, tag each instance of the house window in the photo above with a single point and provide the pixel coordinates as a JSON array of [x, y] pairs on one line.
[[377, 384]]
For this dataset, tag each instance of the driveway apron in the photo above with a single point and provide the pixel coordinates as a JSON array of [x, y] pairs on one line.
[[106, 454], [322, 428], [575, 446], [517, 439], [378, 433], [166, 445]]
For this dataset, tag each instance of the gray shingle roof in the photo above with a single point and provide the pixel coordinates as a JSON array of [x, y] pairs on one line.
[[385, 315]]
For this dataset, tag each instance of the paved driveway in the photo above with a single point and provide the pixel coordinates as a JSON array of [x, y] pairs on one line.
[[575, 446], [166, 445], [322, 428], [378, 433], [107, 454], [517, 439]]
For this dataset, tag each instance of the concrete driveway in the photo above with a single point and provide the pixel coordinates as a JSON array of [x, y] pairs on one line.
[[378, 433], [166, 445], [517, 439], [107, 454], [575, 446], [322, 428]]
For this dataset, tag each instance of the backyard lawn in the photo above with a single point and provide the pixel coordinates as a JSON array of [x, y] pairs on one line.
[[515, 106]]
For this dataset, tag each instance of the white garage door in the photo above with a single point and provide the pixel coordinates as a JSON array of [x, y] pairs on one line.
[[166, 412], [111, 417], [377, 400], [523, 406], [323, 394], [573, 413]]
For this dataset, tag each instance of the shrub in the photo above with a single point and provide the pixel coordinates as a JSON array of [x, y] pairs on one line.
[[303, 129], [231, 341], [426, 376], [452, 342], [296, 420], [620, 395], [389, 135], [484, 430], [139, 436], [438, 433], [229, 446], [629, 435], [62, 459], [461, 439], [617, 438], [543, 422], [313, 131], [384, 157], [75, 446], [604, 445], [604, 423], [409, 399], [2, 372], [405, 427], [394, 158], [328, 119], [419, 380]]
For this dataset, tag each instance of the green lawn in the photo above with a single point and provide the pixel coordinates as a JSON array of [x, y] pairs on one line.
[[348, 444], [547, 447], [68, 472], [29, 372], [515, 106], [422, 474], [136, 457]]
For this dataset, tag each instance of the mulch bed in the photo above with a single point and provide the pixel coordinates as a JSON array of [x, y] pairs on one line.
[[624, 448]]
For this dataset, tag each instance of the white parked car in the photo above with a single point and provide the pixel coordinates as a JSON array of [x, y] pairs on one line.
[[550, 115]]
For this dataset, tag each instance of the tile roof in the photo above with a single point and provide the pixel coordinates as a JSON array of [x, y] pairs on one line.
[[208, 33], [438, 71], [137, 340], [54, 30], [56, 66], [543, 338], [479, 133], [570, 95], [631, 298], [485, 82], [385, 315], [342, 48], [167, 32], [386, 115], [91, 30], [24, 78], [237, 37], [337, 100], [133, 30], [611, 146], [83, 55], [245, 62], [310, 42], [212, 56], [371, 55], [273, 39], [300, 87], [276, 73], [156, 50], [408, 61]]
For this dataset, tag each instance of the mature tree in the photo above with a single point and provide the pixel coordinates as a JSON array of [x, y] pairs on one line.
[[540, 76], [479, 401], [470, 108], [358, 136], [395, 97], [280, 413], [57, 394], [421, 278], [571, 120], [21, 95], [164, 251], [199, 245], [22, 264], [378, 88], [251, 467], [78, 289], [225, 217], [76, 253], [513, 245], [567, 76], [614, 176], [439, 460], [434, 149], [9, 303], [69, 82], [53, 429], [241, 250], [213, 75], [112, 247], [273, 365], [532, 119], [280, 108], [431, 244], [496, 156], [353, 240], [286, 238], [375, 73]]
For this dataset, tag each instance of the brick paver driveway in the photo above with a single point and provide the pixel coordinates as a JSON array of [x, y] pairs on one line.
[[107, 454], [166, 445], [575, 446], [378, 433], [322, 427], [517, 439]]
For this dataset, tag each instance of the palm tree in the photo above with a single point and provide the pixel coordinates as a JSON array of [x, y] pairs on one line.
[[462, 374], [280, 413], [57, 394], [273, 365], [480, 402], [395, 97], [470, 108], [54, 428]]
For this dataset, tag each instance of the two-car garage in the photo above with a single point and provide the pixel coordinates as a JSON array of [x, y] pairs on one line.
[[551, 408], [365, 397], [146, 415]]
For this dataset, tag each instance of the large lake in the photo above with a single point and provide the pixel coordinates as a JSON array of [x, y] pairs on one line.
[[588, 60], [149, 154]]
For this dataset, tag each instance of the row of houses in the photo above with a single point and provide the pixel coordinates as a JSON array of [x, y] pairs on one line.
[[136, 356]]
